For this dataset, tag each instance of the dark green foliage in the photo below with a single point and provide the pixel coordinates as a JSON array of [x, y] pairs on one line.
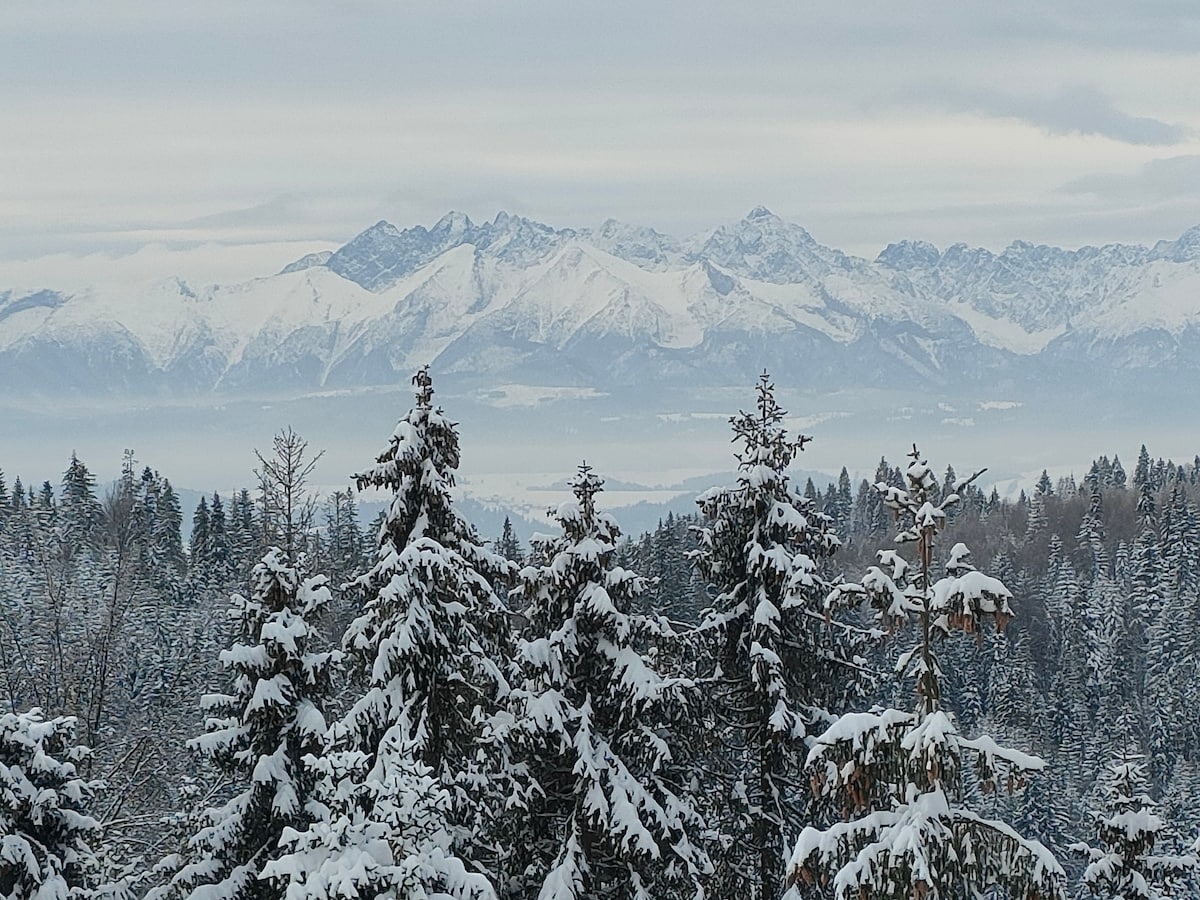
[[341, 546], [199, 540], [901, 780], [1125, 863], [508, 545], [665, 556], [432, 641]]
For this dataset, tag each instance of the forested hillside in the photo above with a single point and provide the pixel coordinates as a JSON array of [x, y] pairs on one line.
[[801, 689]]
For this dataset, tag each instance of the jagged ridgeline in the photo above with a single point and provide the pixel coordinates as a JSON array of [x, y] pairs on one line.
[[412, 705], [517, 301]]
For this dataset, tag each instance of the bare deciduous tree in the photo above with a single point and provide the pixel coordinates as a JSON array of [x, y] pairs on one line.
[[287, 510]]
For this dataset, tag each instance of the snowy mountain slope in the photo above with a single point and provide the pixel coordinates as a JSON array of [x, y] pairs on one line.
[[1041, 288], [513, 300], [644, 247]]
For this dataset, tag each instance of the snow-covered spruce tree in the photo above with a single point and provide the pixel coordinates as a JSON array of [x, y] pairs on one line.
[[594, 728], [259, 734], [382, 833], [44, 830], [1172, 676], [401, 779], [1125, 865], [899, 778], [778, 670], [79, 512]]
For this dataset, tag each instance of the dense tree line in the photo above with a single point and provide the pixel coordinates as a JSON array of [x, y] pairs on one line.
[[798, 688], [1101, 663]]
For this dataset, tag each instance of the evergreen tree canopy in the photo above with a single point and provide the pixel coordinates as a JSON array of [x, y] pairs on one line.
[[897, 777], [80, 513], [260, 733], [432, 626], [603, 810], [44, 828], [778, 669], [1125, 865], [400, 776]]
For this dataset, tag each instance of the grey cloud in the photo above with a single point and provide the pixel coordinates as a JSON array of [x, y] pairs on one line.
[[1171, 177], [277, 210], [1154, 25], [672, 115], [1077, 110], [369, 45]]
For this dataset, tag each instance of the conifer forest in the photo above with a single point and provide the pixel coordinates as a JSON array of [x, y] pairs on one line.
[[906, 688]]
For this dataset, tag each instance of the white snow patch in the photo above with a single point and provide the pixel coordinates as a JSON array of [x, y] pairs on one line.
[[799, 422], [999, 404], [1006, 335], [1161, 295], [507, 396]]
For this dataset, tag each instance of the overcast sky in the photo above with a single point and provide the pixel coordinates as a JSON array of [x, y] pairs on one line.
[[247, 131]]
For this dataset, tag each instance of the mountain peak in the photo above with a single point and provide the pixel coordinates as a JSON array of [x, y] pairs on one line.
[[454, 219], [909, 254], [453, 226], [506, 221], [761, 220], [765, 247], [519, 240], [1185, 248], [520, 300], [377, 257], [638, 244], [383, 226], [307, 261]]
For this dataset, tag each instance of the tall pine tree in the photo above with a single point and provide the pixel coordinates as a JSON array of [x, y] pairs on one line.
[[401, 779], [259, 734], [779, 674], [45, 831], [1125, 866], [597, 733]]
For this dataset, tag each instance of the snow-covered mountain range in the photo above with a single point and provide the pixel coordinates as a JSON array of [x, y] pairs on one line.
[[513, 300]]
